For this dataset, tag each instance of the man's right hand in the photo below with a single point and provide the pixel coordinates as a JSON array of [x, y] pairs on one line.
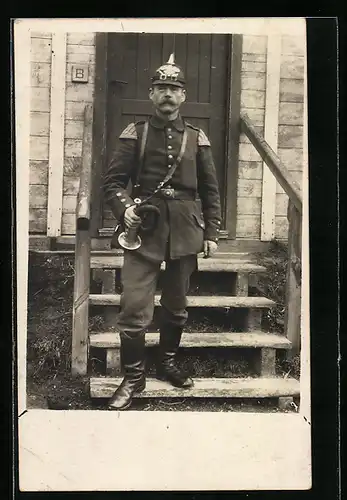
[[131, 220]]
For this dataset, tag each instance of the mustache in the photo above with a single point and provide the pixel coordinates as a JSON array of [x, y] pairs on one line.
[[167, 101]]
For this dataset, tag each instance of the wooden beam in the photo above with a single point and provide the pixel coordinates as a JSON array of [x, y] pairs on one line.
[[255, 387], [253, 319], [250, 340], [241, 284], [80, 312], [113, 362], [292, 318], [219, 301], [109, 286], [233, 134], [268, 202], [99, 130], [281, 173], [84, 193], [266, 363], [56, 137]]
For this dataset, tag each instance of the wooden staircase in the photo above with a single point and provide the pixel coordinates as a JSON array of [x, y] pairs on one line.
[[267, 384], [263, 381]]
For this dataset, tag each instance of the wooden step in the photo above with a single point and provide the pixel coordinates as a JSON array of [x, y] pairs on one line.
[[264, 387], [238, 244], [217, 264], [193, 301], [107, 232], [110, 340]]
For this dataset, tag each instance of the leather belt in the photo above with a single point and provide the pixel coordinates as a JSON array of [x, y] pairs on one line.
[[175, 194]]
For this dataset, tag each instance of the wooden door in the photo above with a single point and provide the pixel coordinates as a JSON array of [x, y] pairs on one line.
[[132, 60]]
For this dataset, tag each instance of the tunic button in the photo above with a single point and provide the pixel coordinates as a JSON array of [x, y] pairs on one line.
[[170, 156], [169, 166], [169, 136], [169, 129], [169, 147]]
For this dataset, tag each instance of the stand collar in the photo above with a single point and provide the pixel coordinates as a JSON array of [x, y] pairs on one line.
[[157, 122]]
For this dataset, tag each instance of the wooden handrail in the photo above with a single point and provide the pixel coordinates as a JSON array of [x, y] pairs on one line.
[[84, 192], [294, 215], [281, 173], [80, 313]]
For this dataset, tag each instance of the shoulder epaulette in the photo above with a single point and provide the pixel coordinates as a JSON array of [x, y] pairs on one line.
[[192, 126], [203, 139], [129, 132]]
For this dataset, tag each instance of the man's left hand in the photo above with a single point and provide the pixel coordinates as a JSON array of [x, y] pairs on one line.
[[210, 248]]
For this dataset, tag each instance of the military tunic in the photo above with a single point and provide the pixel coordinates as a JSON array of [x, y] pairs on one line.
[[183, 223]]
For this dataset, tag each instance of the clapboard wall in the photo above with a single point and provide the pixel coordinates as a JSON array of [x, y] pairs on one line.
[[253, 81], [80, 48], [290, 121], [41, 54], [289, 124]]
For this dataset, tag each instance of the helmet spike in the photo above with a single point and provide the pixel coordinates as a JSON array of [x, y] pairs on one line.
[[171, 59], [169, 73]]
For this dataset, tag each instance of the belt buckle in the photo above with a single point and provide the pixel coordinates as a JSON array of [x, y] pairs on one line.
[[168, 192]]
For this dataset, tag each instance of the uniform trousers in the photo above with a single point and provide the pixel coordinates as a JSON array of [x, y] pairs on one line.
[[139, 278]]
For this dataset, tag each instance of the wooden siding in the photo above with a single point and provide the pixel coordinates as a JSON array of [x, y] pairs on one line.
[[291, 121], [290, 129], [253, 81], [56, 135], [80, 50], [40, 62], [268, 202]]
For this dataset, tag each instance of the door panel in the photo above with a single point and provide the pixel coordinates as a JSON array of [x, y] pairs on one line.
[[132, 60]]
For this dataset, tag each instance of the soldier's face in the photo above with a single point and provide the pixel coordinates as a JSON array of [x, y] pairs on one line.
[[167, 98]]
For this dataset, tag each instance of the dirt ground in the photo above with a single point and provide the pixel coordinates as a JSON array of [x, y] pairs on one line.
[[49, 383]]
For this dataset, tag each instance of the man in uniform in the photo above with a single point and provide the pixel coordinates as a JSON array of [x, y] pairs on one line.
[[189, 223]]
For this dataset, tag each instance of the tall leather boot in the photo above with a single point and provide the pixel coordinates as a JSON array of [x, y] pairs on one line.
[[133, 362], [170, 337]]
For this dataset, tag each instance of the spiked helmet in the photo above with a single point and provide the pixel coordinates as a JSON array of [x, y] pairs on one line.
[[169, 73]]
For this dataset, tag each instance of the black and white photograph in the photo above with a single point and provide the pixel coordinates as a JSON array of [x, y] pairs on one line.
[[162, 190]]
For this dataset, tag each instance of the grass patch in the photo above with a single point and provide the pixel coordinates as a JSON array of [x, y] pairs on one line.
[[272, 284]]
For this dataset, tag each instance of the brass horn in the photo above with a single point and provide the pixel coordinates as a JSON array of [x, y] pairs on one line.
[[129, 239]]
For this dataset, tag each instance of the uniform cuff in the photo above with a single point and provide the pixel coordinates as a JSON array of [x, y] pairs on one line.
[[212, 232], [211, 236], [119, 203]]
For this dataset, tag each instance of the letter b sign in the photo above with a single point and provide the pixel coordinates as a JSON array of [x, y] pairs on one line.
[[80, 73]]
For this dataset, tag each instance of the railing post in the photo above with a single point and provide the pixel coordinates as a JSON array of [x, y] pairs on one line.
[[293, 286], [80, 314], [79, 358]]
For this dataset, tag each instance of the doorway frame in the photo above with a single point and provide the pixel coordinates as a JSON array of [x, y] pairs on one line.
[[232, 136]]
